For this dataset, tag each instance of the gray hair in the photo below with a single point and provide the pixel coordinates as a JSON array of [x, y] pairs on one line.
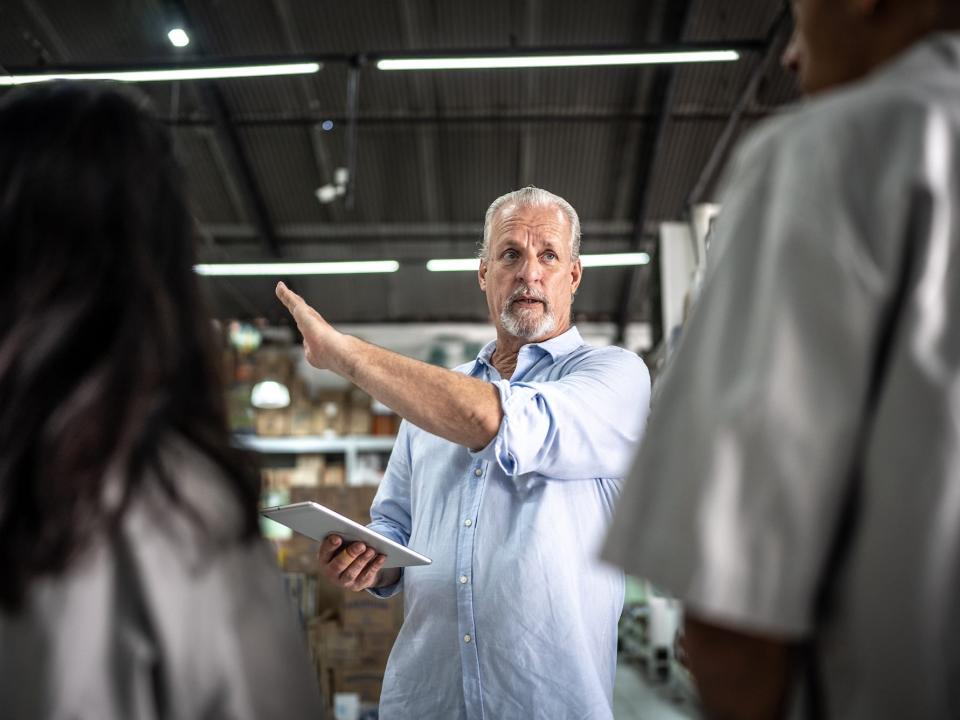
[[531, 197]]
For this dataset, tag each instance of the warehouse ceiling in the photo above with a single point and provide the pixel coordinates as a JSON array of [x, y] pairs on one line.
[[628, 147]]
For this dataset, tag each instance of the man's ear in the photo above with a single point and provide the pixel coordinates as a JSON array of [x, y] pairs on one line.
[[482, 275], [576, 275]]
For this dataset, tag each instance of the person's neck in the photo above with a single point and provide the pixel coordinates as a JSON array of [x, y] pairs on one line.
[[904, 30], [504, 357]]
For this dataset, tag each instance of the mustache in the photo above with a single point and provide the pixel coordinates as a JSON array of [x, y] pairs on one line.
[[527, 292]]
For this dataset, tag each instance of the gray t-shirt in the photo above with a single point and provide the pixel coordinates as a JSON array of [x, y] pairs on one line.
[[161, 622], [806, 438]]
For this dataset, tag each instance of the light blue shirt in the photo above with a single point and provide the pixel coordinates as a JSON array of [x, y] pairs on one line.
[[516, 617]]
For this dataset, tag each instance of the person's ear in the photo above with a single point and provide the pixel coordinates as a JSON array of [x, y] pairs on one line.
[[864, 8], [482, 275], [576, 275]]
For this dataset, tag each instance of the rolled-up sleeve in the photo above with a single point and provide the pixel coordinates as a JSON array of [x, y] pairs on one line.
[[583, 425], [390, 512]]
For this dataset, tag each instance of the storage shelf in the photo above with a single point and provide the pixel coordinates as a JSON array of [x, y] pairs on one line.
[[350, 446], [316, 444]]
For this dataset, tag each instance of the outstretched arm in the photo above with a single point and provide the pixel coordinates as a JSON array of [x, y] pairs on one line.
[[458, 408]]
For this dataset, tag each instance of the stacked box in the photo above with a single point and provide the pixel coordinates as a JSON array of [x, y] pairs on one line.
[[350, 635], [309, 471], [301, 418], [329, 416], [272, 423]]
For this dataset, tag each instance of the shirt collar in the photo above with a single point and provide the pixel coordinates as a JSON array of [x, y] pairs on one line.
[[563, 344]]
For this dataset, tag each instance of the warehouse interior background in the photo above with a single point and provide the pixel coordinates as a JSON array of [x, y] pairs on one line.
[[354, 162]]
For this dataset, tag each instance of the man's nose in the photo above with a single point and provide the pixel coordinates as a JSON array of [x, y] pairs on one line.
[[529, 270]]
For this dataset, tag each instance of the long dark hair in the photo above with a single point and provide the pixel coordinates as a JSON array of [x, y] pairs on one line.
[[105, 344]]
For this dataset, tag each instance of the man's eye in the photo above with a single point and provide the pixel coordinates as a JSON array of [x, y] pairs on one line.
[[550, 256], [510, 255]]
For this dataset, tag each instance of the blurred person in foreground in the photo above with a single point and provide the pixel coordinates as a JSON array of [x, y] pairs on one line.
[[133, 582], [799, 484], [505, 472]]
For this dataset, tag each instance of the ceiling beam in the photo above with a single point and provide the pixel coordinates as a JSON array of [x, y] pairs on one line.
[[501, 118], [370, 58], [777, 38], [402, 231], [318, 146], [427, 153], [531, 23], [231, 146], [662, 92]]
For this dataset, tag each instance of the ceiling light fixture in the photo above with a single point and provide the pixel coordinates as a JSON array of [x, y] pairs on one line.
[[546, 61], [615, 259], [181, 73], [178, 37], [297, 268], [599, 260]]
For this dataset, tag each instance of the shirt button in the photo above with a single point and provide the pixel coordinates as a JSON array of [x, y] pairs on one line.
[[467, 638], [478, 472], [468, 522], [463, 579]]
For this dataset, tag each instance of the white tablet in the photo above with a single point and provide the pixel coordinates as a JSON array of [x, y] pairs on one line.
[[316, 521]]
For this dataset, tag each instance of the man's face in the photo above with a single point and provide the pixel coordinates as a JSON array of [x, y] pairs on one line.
[[826, 49], [529, 276]]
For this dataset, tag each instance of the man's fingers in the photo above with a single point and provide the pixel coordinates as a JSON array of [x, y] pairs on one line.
[[370, 574], [329, 547], [344, 559], [356, 568], [288, 297]]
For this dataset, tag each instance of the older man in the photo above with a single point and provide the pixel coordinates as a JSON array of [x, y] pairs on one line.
[[505, 472], [799, 485]]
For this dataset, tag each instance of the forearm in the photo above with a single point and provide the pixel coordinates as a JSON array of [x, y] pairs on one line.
[[455, 407], [738, 677]]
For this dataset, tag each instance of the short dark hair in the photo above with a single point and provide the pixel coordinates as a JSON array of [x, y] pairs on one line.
[[106, 348]]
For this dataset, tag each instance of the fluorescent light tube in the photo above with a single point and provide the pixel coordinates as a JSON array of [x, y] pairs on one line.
[[602, 260], [178, 37], [453, 264], [305, 268], [198, 73], [535, 61], [615, 259]]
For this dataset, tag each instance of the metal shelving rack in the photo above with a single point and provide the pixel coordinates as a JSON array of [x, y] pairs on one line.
[[350, 446]]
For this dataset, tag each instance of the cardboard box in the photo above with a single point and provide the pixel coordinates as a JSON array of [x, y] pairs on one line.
[[301, 419], [309, 471], [299, 554], [335, 475], [330, 414], [336, 645], [272, 423], [361, 420], [365, 680], [368, 614]]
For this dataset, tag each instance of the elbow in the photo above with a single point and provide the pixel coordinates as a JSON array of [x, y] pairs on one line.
[[484, 428]]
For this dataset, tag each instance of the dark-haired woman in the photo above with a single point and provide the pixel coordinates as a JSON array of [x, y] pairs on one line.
[[132, 580]]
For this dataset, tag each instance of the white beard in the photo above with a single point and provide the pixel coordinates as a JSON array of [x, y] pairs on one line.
[[522, 324]]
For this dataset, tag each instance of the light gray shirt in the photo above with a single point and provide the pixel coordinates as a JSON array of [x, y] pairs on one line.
[[807, 435], [161, 622]]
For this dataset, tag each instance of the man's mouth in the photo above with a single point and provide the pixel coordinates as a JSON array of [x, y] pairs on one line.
[[527, 302]]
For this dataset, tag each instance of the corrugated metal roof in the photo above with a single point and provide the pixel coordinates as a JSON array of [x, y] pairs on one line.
[[432, 148]]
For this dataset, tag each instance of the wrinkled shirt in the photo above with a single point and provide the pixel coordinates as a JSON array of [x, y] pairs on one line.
[[516, 617], [801, 473]]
